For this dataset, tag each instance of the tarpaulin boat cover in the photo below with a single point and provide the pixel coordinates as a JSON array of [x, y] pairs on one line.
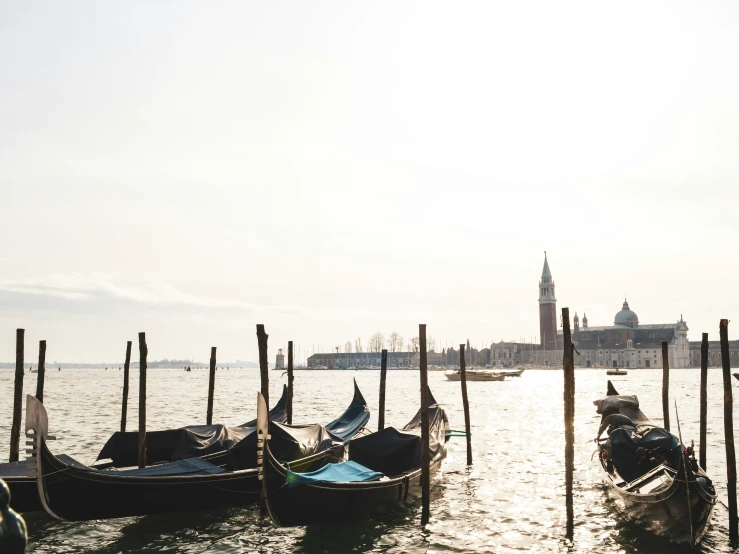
[[292, 442], [630, 452], [190, 466], [627, 405], [392, 451], [186, 442], [344, 472]]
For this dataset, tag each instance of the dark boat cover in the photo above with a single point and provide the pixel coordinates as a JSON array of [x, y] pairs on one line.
[[633, 456], [191, 466], [392, 451], [186, 442], [292, 442]]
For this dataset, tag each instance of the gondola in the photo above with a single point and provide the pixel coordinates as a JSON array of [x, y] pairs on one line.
[[72, 491], [655, 481], [122, 450], [382, 472]]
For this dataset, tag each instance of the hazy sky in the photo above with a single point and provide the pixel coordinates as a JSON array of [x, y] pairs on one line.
[[331, 169]]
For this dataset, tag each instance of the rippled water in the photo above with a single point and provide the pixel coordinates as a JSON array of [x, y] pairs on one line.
[[511, 499]]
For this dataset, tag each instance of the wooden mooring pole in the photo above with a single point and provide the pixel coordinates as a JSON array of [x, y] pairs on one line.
[[211, 386], [263, 361], [568, 364], [729, 434], [41, 370], [15, 429], [704, 399], [290, 382], [425, 458], [465, 403], [665, 386], [124, 406], [383, 378], [143, 352]]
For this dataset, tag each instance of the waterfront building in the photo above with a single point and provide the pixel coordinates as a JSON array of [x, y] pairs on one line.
[[356, 360], [280, 360], [629, 344], [714, 353]]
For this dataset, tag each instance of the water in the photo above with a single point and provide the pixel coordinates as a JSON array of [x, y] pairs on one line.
[[511, 499]]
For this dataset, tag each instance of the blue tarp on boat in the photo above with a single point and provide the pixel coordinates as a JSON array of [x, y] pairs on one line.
[[344, 472]]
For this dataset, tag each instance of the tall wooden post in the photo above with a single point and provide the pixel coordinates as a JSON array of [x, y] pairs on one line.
[[15, 429], [290, 382], [263, 361], [568, 364], [425, 459], [126, 366], [383, 378], [729, 434], [143, 351], [41, 370], [665, 386], [704, 399], [465, 403], [211, 386]]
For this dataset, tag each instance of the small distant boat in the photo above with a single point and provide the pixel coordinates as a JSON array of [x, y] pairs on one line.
[[616, 371], [475, 375]]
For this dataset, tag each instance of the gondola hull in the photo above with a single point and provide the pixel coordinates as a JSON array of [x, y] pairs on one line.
[[341, 502], [82, 494], [665, 513], [394, 458]]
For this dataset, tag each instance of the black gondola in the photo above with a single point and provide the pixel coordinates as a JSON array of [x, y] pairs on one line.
[[383, 471], [73, 491], [646, 470], [122, 449]]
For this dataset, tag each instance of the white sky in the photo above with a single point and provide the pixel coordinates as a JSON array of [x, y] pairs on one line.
[[331, 169]]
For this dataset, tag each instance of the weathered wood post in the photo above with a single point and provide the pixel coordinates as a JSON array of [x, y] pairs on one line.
[[15, 429], [143, 351], [290, 382], [665, 386], [465, 403], [383, 378], [704, 399], [41, 370], [425, 459], [729, 433], [263, 362], [211, 385], [568, 365], [126, 366]]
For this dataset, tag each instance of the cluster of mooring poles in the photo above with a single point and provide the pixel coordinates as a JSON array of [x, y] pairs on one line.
[[262, 338], [569, 413]]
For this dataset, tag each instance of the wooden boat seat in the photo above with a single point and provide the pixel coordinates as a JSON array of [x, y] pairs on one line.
[[651, 481]]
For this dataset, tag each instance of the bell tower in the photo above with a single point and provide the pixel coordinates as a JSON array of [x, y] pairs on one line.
[[547, 309]]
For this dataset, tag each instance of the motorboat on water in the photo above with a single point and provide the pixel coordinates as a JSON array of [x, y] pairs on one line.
[[475, 375], [616, 371]]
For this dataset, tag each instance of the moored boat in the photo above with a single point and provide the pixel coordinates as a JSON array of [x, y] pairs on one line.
[[382, 471], [616, 371], [475, 375], [70, 490], [655, 481], [121, 450]]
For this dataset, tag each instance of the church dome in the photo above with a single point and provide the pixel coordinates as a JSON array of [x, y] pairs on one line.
[[626, 316]]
